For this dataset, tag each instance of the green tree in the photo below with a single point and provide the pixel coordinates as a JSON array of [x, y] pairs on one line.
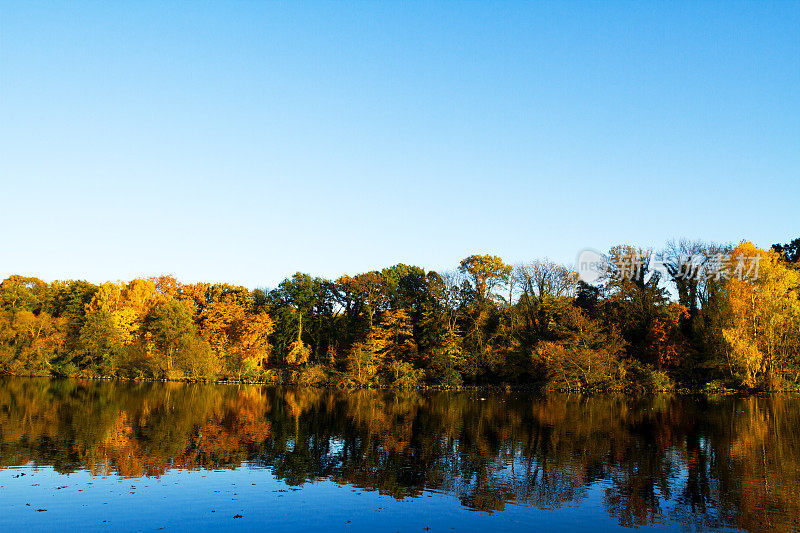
[[171, 327]]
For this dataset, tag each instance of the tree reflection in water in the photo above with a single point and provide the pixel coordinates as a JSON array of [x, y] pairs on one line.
[[703, 463]]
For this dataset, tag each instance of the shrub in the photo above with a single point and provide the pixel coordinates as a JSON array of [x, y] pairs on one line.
[[363, 363], [405, 375], [648, 379], [65, 370], [577, 367], [313, 376], [298, 353]]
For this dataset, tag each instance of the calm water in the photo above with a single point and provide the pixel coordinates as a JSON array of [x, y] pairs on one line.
[[144, 457]]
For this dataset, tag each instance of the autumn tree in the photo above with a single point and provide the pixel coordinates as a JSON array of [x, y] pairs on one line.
[[397, 334], [763, 338], [544, 289], [440, 333], [30, 337], [486, 273], [365, 360], [239, 337], [584, 353], [113, 319], [173, 331], [301, 299], [635, 293], [486, 276]]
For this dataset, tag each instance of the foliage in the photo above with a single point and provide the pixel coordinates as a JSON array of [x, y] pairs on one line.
[[584, 356], [313, 376], [405, 376], [364, 362], [644, 324], [298, 353], [764, 334]]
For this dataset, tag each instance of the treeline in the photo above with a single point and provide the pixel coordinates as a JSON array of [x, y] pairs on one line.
[[695, 318]]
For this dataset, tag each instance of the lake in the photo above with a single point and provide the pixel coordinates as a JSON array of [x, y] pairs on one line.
[[98, 456]]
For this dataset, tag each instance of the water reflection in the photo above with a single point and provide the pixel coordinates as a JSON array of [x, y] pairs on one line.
[[696, 463]]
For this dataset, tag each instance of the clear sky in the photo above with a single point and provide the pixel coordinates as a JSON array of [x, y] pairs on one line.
[[244, 141]]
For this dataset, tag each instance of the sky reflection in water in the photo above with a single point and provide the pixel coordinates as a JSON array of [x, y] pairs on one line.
[[180, 456]]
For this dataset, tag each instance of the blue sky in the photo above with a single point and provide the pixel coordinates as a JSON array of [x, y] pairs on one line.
[[244, 141]]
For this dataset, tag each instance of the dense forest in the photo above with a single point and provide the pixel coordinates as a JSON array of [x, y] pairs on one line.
[[694, 316]]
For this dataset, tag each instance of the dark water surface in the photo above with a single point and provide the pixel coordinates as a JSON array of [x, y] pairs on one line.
[[142, 457]]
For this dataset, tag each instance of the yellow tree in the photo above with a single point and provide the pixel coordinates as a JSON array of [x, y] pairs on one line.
[[114, 318], [395, 334], [763, 336], [365, 360], [126, 305], [398, 351], [298, 353], [255, 338], [221, 324], [486, 273], [108, 301], [36, 339], [235, 334]]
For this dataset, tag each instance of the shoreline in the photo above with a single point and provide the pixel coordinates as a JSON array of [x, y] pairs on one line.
[[499, 388]]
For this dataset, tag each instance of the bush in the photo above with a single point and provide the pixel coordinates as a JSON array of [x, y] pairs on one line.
[[714, 387], [313, 376], [576, 367], [444, 368], [298, 353], [648, 379], [65, 370], [195, 358], [405, 375], [362, 364], [450, 378]]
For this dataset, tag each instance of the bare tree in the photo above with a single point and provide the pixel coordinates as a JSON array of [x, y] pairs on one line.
[[545, 278]]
